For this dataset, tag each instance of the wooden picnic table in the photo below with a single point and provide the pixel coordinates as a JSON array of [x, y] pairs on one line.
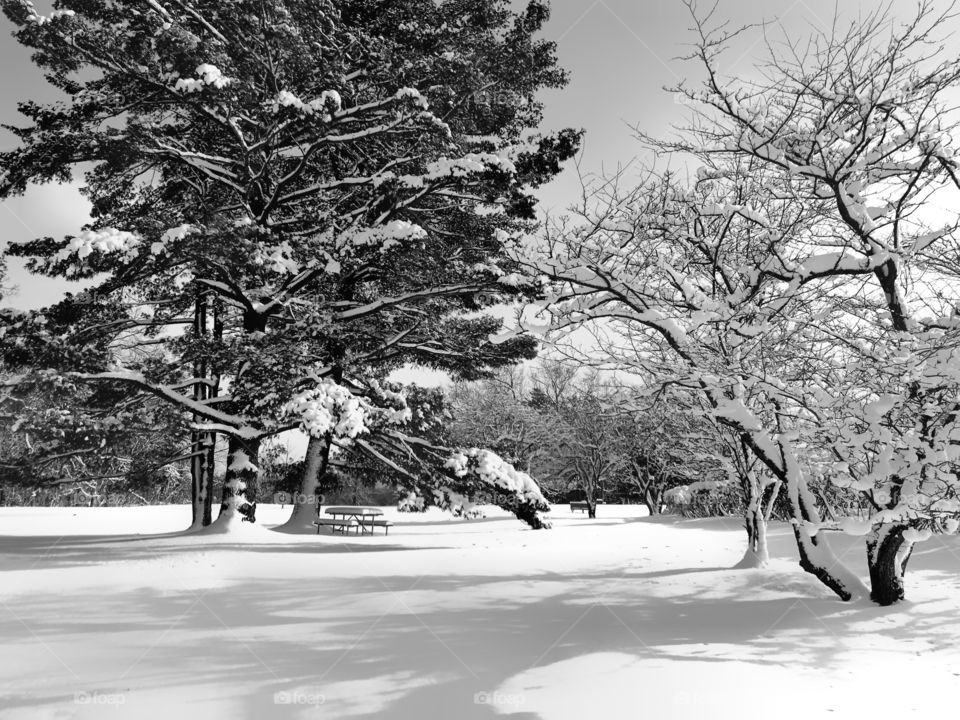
[[362, 517]]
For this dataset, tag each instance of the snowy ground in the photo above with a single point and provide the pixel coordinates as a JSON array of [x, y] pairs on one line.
[[619, 617]]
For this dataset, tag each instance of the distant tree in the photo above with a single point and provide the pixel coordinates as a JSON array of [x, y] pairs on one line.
[[666, 443], [585, 443], [496, 413], [560, 426]]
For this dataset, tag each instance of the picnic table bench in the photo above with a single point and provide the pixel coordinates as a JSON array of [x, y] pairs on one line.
[[579, 505], [334, 524], [361, 518]]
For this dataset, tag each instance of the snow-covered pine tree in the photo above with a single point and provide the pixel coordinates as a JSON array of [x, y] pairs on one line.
[[307, 165]]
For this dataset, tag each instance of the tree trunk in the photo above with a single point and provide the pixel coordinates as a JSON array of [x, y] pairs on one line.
[[306, 503], [816, 557], [201, 476], [213, 390], [651, 499], [203, 444], [238, 498], [211, 448], [591, 500], [200, 473], [651, 492], [888, 553], [755, 521], [240, 484], [757, 554]]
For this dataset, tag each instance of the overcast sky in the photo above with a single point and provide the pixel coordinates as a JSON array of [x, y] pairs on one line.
[[620, 54]]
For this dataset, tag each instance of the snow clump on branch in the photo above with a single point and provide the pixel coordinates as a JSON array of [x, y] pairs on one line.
[[446, 168], [332, 408], [328, 100], [209, 75], [386, 236], [172, 235], [413, 95], [107, 240], [34, 16]]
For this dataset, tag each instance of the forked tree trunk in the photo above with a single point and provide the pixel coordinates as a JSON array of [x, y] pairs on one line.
[[888, 553], [240, 484], [757, 554], [755, 518], [651, 499], [306, 501], [651, 492], [590, 499]]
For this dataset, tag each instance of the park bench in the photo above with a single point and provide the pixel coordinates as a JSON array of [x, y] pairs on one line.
[[579, 505]]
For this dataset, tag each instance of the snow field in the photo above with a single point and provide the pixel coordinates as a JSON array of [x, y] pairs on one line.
[[618, 617]]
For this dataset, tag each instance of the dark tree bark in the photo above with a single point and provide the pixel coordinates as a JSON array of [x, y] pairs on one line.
[[888, 553], [240, 483], [201, 476], [216, 310], [201, 468]]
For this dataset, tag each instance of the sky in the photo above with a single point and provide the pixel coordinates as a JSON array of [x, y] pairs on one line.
[[620, 55]]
